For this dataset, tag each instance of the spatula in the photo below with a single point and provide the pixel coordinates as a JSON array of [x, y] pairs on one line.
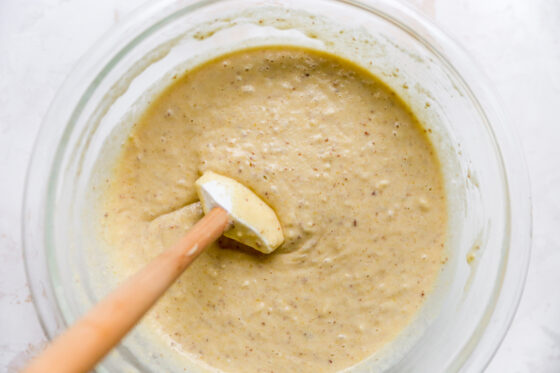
[[230, 208]]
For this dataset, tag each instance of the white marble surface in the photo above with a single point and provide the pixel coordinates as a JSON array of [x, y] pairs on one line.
[[516, 42]]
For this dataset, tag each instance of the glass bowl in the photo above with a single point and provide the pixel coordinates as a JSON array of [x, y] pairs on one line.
[[462, 323]]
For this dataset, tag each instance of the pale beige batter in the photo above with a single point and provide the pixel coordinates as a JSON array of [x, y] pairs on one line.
[[355, 184]]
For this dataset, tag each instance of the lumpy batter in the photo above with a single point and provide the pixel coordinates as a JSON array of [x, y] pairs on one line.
[[355, 184]]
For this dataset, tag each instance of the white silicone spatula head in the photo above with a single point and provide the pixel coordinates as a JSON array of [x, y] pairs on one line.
[[253, 222]]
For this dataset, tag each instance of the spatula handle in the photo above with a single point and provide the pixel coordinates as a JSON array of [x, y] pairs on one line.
[[86, 342]]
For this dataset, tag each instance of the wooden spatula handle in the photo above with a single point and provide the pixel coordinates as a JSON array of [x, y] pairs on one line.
[[85, 343]]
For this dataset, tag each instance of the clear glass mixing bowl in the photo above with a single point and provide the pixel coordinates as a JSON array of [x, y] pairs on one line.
[[478, 292]]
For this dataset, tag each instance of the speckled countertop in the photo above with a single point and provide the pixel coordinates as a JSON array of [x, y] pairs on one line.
[[516, 42]]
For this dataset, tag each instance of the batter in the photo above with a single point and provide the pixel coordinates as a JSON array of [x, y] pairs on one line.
[[352, 177]]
